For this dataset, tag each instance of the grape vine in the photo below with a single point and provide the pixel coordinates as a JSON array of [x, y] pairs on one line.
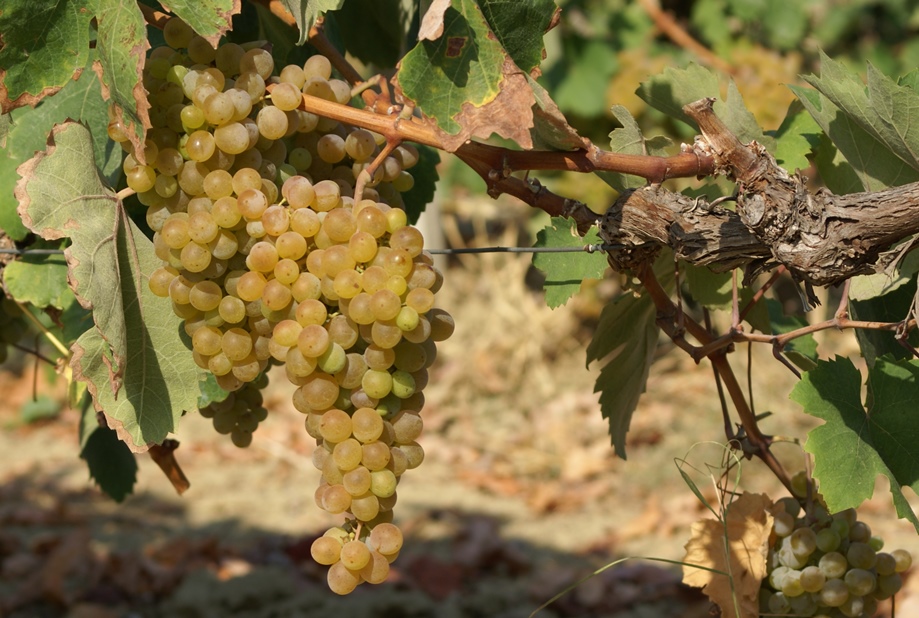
[[279, 198]]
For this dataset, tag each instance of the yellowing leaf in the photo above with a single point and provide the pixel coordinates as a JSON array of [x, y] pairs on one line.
[[736, 546]]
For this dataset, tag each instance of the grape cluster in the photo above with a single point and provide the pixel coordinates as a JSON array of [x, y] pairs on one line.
[[270, 257], [355, 555], [240, 413], [827, 566]]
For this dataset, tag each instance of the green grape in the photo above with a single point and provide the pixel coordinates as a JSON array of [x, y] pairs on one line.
[[853, 607], [355, 555], [351, 375], [326, 550], [377, 384], [331, 148], [313, 340], [407, 319], [343, 331], [827, 540], [376, 455], [356, 482], [319, 390], [257, 61], [333, 359], [341, 580], [377, 570], [414, 454], [286, 96], [272, 123], [383, 483], [386, 539], [861, 556], [859, 532], [366, 424], [804, 541], [407, 426], [889, 585], [886, 564], [385, 333], [233, 137], [860, 581], [791, 584], [442, 325], [812, 579], [833, 565], [347, 454], [403, 384], [903, 559], [834, 593], [365, 507]]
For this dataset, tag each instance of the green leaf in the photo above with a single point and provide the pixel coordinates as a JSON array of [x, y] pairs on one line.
[[519, 27], [855, 445], [836, 173], [111, 463], [122, 47], [625, 341], [887, 111], [39, 279], [306, 12], [891, 307], [798, 136], [283, 38], [594, 62], [465, 81], [39, 409], [209, 18], [374, 30], [210, 391], [873, 162], [629, 140], [425, 174], [45, 44], [566, 271], [674, 88], [785, 23], [81, 100], [626, 337], [135, 361], [711, 289], [802, 351]]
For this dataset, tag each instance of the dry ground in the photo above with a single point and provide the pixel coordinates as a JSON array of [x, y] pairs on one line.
[[519, 495]]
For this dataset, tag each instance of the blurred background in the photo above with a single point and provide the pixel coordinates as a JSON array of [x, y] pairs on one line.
[[520, 494]]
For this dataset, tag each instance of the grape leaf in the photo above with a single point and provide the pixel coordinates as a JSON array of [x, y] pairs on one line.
[[137, 366], [584, 66], [629, 140], [466, 82], [422, 192], [111, 463], [122, 45], [566, 271], [836, 173], [736, 548], [796, 138], [674, 88], [872, 161], [855, 445], [306, 12], [211, 392], [624, 342], [551, 130], [626, 337], [374, 30], [520, 27], [39, 279], [802, 351], [893, 306], [81, 100], [887, 111], [209, 18], [45, 45], [711, 289]]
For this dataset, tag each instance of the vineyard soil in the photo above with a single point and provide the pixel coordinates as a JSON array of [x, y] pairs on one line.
[[521, 493]]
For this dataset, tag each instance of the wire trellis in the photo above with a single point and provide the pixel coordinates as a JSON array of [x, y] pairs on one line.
[[463, 250]]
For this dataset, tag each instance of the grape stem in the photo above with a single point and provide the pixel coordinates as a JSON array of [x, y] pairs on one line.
[[667, 321], [495, 164]]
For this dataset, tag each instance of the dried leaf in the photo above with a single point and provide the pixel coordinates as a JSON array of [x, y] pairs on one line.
[[736, 546]]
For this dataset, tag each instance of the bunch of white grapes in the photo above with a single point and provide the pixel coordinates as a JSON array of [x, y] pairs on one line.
[[268, 258], [827, 566]]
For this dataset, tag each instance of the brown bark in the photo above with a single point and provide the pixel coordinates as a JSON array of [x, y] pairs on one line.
[[820, 237]]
